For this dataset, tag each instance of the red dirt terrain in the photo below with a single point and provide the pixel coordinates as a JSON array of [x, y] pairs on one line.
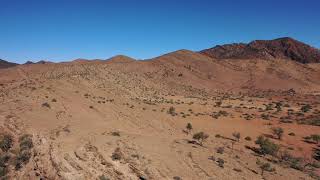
[[182, 115]]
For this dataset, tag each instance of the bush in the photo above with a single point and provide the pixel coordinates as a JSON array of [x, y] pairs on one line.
[[248, 138], [117, 154], [200, 137], [264, 166], [172, 111], [46, 105], [22, 158], [189, 127], [103, 177], [315, 138], [236, 135], [277, 131], [115, 133], [291, 161], [4, 158], [220, 162], [291, 134], [26, 142], [305, 108], [266, 146], [220, 150], [6, 142]]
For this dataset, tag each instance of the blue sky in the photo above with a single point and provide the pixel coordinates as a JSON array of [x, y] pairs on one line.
[[60, 30]]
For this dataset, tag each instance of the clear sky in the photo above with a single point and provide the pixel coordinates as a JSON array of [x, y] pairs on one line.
[[60, 30]]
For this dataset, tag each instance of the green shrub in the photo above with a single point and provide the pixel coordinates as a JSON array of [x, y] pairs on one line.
[[22, 158], [264, 167], [277, 131], [305, 108], [25, 142], [267, 146], [6, 142], [200, 137]]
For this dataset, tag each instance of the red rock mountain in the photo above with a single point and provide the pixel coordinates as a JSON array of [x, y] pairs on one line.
[[282, 48]]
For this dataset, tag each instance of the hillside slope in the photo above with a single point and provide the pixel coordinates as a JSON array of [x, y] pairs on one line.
[[282, 48]]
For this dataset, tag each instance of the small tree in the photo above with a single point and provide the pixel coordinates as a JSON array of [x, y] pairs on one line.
[[200, 137], [264, 167], [189, 128], [236, 135], [277, 131]]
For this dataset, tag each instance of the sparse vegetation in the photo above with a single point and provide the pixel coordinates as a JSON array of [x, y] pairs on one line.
[[267, 146], [248, 138], [200, 137], [278, 132], [264, 167], [47, 105], [220, 162], [6, 142], [220, 150], [117, 154], [172, 111], [189, 128], [236, 135]]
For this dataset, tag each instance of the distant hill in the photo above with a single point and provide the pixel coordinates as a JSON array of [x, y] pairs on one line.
[[120, 59], [6, 64], [281, 48]]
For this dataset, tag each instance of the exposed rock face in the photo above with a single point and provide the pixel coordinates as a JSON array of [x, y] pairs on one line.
[[6, 64], [282, 48]]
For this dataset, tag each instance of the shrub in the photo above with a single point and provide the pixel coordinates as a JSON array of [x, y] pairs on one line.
[[291, 134], [115, 133], [315, 138], [305, 108], [220, 162], [264, 166], [291, 161], [248, 138], [54, 100], [103, 177], [117, 154], [265, 116], [189, 127], [172, 111], [46, 105], [277, 131], [6, 142], [4, 158], [200, 137], [236, 135], [3, 172], [22, 158], [267, 146], [218, 104], [220, 150], [26, 142]]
